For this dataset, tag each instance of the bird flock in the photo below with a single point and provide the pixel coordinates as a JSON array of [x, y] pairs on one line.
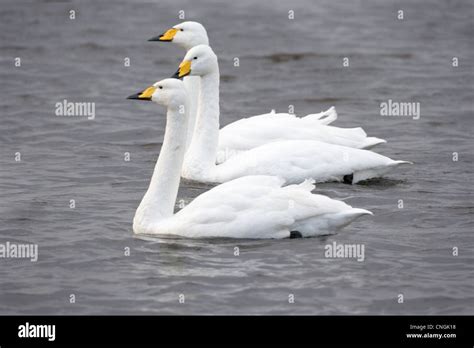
[[265, 165]]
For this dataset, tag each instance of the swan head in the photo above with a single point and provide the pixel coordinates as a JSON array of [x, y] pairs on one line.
[[186, 35], [168, 92], [198, 61]]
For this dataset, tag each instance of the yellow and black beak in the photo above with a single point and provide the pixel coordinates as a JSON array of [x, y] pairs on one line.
[[167, 36], [144, 95], [183, 70]]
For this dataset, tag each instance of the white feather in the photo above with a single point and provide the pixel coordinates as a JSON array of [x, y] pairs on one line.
[[259, 207], [247, 207], [254, 131], [293, 160]]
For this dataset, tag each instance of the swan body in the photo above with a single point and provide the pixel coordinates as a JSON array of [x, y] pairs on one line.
[[260, 207], [253, 131], [296, 160], [247, 207], [292, 160]]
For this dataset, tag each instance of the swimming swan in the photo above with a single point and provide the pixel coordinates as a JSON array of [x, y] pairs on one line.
[[292, 160], [253, 131], [248, 207]]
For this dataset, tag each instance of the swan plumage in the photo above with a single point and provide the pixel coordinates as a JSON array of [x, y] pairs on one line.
[[253, 131], [247, 207], [261, 207], [292, 160], [299, 159], [249, 133]]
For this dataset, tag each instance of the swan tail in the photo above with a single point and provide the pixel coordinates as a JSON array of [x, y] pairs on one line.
[[397, 163], [376, 172], [344, 218], [356, 212], [323, 118], [371, 142], [328, 223]]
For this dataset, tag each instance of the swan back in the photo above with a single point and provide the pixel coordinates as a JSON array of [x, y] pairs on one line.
[[260, 207]]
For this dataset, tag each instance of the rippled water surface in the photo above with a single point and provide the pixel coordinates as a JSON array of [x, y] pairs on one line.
[[283, 62]]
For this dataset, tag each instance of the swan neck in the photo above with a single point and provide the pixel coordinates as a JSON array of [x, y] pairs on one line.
[[201, 157], [193, 85], [197, 40], [159, 200]]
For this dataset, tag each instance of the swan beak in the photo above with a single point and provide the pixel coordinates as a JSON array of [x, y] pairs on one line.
[[183, 70], [143, 95], [166, 36]]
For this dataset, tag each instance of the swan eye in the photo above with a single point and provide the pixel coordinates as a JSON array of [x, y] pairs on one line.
[[181, 29], [195, 58], [160, 87]]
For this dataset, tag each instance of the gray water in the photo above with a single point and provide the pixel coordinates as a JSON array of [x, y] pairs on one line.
[[283, 62]]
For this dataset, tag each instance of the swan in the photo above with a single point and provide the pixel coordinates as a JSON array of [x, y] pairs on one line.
[[292, 160], [248, 132], [248, 207]]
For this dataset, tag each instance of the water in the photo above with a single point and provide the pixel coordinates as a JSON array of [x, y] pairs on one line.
[[282, 62]]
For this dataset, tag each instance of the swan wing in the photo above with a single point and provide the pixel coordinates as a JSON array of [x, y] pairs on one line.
[[296, 160], [324, 117], [260, 207], [242, 208], [251, 132]]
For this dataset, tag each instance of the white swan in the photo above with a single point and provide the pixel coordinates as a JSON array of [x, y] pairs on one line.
[[249, 207], [247, 133], [292, 160]]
